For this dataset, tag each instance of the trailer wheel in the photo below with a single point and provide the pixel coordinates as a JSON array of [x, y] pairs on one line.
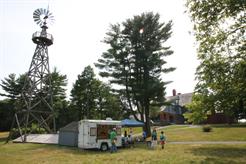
[[104, 146]]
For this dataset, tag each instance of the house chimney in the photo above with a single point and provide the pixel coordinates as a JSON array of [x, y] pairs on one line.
[[174, 92]]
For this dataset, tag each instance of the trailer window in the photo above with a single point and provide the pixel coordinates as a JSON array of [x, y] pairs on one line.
[[93, 131], [103, 131]]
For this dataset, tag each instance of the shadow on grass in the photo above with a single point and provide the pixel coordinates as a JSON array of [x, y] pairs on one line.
[[220, 155], [215, 161], [49, 147], [220, 152], [3, 139], [75, 150], [79, 151]]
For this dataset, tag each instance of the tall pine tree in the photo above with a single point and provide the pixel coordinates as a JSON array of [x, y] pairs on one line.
[[135, 62]]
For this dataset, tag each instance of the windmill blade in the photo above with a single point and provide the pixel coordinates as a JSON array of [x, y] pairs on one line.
[[39, 11], [52, 18], [39, 22], [36, 12], [36, 20], [42, 11], [35, 16], [49, 14]]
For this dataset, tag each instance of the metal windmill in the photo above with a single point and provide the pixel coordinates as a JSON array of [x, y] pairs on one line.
[[37, 101]]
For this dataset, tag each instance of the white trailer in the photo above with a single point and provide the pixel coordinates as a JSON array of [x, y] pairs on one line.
[[95, 134]]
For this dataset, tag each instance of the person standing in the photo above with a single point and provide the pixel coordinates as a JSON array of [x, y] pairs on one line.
[[144, 135], [154, 138], [162, 139], [125, 139], [113, 140]]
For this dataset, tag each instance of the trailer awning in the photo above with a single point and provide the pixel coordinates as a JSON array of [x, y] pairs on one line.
[[131, 123]]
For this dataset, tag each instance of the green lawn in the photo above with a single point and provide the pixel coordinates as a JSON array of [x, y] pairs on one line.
[[191, 153], [218, 133]]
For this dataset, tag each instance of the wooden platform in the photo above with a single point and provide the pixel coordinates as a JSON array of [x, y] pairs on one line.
[[40, 138]]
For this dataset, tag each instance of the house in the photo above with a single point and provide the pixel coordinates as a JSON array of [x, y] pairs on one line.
[[219, 118], [173, 113]]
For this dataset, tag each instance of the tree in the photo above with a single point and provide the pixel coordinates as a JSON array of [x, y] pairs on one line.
[[220, 33], [13, 87], [92, 99], [135, 62], [60, 104], [6, 114], [83, 94], [197, 109], [108, 103]]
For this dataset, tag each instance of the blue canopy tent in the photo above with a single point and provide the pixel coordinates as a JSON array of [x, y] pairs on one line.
[[131, 123]]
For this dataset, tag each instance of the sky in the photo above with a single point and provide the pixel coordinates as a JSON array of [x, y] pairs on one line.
[[78, 31]]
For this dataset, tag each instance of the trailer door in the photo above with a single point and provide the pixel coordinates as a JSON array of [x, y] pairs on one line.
[[88, 138], [92, 131]]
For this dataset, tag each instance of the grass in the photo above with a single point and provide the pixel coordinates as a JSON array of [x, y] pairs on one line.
[[135, 130], [37, 153], [218, 133], [191, 153]]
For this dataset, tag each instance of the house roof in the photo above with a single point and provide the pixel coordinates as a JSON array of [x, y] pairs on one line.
[[177, 102], [184, 99]]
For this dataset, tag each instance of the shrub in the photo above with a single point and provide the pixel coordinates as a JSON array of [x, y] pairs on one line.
[[207, 128], [34, 129]]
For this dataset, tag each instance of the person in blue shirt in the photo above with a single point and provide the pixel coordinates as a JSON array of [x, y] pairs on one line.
[[162, 139], [144, 135], [154, 139]]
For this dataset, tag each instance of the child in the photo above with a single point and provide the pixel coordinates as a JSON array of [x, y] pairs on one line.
[[154, 139], [162, 139], [148, 141], [144, 135]]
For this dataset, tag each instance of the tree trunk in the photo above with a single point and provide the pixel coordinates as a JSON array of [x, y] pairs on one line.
[[147, 118], [147, 122]]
